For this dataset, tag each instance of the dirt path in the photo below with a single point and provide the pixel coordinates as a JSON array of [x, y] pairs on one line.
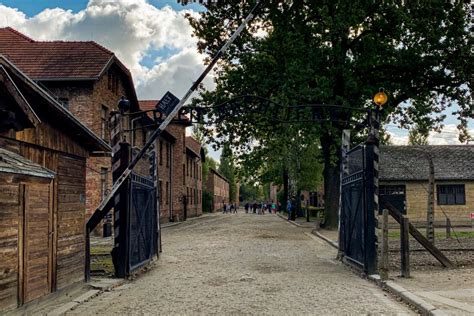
[[244, 264]]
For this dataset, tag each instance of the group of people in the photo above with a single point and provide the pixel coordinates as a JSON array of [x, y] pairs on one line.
[[229, 208], [260, 207]]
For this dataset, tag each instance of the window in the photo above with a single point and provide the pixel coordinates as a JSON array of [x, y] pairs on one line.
[[109, 80], [112, 81], [187, 166], [392, 190], [64, 102], [168, 154], [184, 174], [167, 192], [393, 194], [161, 152], [104, 131], [103, 182], [160, 192], [451, 194]]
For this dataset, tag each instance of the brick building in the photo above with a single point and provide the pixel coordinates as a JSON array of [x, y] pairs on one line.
[[179, 170], [404, 172], [218, 186], [193, 177], [88, 80]]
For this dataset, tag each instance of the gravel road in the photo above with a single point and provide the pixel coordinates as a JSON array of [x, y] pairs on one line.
[[244, 264]]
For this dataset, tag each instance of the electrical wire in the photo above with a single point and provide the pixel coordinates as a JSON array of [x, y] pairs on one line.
[[439, 206]]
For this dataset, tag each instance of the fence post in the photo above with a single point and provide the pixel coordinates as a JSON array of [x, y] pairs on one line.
[[448, 228], [405, 247], [345, 147], [430, 212], [384, 259]]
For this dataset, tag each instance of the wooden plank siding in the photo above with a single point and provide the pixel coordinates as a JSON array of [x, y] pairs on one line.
[[9, 210], [49, 137], [70, 220], [42, 241], [37, 214]]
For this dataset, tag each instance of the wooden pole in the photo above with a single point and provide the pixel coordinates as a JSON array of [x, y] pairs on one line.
[[420, 238], [384, 259], [307, 210], [430, 211], [405, 247], [448, 228]]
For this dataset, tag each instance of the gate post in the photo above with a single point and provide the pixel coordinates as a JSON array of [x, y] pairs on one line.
[[345, 147], [120, 158], [372, 191]]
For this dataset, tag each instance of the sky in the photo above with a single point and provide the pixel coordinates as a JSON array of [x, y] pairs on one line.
[[151, 37]]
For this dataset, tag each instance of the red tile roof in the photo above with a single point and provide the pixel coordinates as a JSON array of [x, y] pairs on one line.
[[146, 105], [43, 60]]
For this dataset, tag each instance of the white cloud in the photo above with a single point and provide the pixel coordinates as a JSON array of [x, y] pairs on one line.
[[131, 29], [449, 135]]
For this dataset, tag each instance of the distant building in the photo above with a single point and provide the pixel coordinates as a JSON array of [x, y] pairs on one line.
[[179, 163], [404, 172], [193, 179], [218, 186]]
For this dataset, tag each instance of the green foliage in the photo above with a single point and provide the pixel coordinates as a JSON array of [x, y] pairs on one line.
[[207, 201], [417, 136], [208, 163], [227, 168], [331, 52], [249, 192]]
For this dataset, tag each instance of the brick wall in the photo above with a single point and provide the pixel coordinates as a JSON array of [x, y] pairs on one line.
[[164, 177], [193, 183], [87, 101], [219, 188]]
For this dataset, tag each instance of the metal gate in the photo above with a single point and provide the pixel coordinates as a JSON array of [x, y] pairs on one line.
[[142, 222], [357, 226]]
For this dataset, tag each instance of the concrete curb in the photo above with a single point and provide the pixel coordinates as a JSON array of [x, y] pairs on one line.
[[291, 222], [171, 224], [96, 291], [424, 307], [408, 297], [329, 241]]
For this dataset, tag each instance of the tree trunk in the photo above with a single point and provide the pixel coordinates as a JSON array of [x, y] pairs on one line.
[[331, 182], [285, 187], [297, 206]]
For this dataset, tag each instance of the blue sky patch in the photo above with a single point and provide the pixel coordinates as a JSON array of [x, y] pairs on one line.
[[150, 59], [33, 7]]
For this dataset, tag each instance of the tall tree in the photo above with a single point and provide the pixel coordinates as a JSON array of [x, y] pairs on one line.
[[335, 52], [227, 168], [417, 136]]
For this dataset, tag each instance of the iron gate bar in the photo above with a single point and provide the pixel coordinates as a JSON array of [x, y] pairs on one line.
[[357, 218], [142, 214]]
